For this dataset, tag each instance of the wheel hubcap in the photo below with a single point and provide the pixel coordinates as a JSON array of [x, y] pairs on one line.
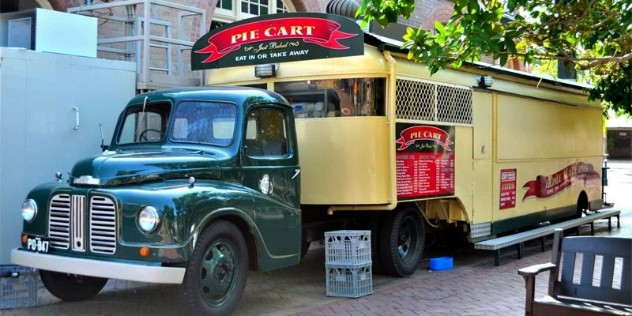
[[218, 273], [407, 238]]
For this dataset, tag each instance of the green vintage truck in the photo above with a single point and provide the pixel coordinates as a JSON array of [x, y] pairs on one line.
[[199, 185], [194, 182]]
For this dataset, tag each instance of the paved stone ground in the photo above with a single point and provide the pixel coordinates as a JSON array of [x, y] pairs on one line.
[[474, 287]]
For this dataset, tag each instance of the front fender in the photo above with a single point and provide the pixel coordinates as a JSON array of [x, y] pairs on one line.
[[271, 227], [184, 211]]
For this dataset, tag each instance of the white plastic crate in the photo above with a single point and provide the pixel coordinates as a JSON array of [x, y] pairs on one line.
[[348, 247], [18, 287], [349, 281]]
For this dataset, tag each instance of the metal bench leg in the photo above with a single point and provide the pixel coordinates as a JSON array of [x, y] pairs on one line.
[[542, 240], [592, 228], [618, 221], [497, 257], [610, 223], [520, 250]]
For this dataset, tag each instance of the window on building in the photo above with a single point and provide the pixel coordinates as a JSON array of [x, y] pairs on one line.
[[234, 10], [225, 4], [281, 7], [255, 7]]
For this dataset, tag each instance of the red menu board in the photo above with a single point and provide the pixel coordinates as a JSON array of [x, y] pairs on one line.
[[507, 188], [425, 161]]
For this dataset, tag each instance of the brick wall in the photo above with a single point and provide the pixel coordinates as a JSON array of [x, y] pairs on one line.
[[428, 11], [425, 15]]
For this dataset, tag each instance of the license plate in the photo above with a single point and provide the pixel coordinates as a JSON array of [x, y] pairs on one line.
[[37, 244]]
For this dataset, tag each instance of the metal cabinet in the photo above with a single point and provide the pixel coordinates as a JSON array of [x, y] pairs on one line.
[[51, 109]]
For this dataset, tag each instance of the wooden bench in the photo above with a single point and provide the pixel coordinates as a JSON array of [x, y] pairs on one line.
[[596, 277], [518, 239]]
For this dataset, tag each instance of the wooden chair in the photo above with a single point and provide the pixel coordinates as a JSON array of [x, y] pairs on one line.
[[596, 277]]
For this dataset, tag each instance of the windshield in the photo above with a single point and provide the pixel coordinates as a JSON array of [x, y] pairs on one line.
[[144, 123], [204, 122], [200, 122]]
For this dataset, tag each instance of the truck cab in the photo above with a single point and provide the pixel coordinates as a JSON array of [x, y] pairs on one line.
[[196, 186]]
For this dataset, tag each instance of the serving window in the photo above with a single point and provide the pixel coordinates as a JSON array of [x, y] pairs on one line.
[[335, 97]]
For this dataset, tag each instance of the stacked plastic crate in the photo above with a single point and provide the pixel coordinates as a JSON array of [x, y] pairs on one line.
[[348, 263], [18, 287]]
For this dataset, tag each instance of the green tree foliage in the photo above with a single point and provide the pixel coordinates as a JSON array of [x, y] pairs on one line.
[[592, 35]]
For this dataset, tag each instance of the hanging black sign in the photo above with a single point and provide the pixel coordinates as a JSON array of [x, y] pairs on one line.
[[278, 38]]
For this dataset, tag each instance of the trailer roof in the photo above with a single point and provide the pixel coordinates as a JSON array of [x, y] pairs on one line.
[[384, 43]]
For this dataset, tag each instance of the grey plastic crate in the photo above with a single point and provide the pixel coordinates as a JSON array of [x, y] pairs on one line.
[[348, 247], [352, 282], [18, 287]]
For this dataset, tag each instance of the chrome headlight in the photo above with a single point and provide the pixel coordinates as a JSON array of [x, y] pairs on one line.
[[29, 210], [148, 219]]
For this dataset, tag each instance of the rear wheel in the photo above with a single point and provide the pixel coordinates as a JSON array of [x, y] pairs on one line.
[[71, 287], [402, 242], [216, 274], [376, 260], [583, 207]]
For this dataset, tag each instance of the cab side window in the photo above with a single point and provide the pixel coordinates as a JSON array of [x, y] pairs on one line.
[[266, 133]]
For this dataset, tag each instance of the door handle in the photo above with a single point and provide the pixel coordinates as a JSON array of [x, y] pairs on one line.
[[296, 172]]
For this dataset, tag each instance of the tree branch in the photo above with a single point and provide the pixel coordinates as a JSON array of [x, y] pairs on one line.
[[608, 18], [600, 61]]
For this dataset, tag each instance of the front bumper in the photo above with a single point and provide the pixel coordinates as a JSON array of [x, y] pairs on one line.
[[98, 268]]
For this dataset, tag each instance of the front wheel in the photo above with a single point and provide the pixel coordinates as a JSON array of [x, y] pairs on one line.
[[304, 248], [71, 287], [402, 242], [216, 274]]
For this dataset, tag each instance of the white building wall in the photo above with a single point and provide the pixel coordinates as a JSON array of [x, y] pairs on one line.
[[40, 94]]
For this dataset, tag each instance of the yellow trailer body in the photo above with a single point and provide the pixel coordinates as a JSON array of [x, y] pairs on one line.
[[377, 131]]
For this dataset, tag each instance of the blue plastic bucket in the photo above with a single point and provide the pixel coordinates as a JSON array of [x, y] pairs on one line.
[[441, 263]]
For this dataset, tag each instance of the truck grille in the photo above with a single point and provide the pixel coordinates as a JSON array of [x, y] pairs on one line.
[[59, 221], [102, 225], [67, 224]]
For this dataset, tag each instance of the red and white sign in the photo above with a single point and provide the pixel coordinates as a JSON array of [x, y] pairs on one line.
[[425, 161], [547, 186], [317, 31], [278, 38], [507, 188], [427, 174]]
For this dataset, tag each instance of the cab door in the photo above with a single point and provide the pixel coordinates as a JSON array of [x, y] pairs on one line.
[[271, 170]]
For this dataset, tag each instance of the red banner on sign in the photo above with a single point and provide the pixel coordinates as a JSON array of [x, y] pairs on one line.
[[547, 186], [412, 134], [317, 31]]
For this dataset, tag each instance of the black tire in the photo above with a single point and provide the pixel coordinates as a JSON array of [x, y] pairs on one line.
[[583, 207], [71, 287], [216, 275], [304, 248], [376, 261], [402, 242]]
